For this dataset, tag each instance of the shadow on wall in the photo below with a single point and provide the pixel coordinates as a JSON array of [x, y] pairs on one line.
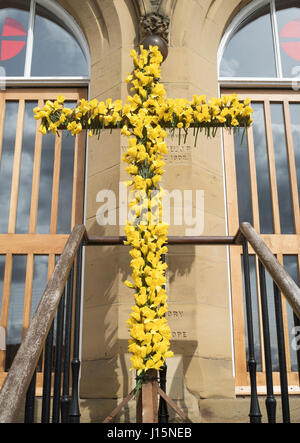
[[105, 378]]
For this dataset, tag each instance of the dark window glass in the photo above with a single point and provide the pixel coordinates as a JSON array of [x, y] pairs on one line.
[[282, 170], [46, 181], [291, 264], [243, 178], [288, 19], [262, 170], [66, 182], [14, 17], [295, 120], [250, 51], [16, 308], [7, 160], [40, 278], [255, 312], [272, 321], [55, 50]]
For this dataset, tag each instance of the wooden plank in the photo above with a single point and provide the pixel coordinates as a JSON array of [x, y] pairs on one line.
[[231, 187], [47, 94], [289, 244], [6, 289], [51, 265], [36, 177], [260, 320], [119, 407], [28, 293], [32, 244], [147, 400], [173, 405], [79, 174], [292, 165], [272, 168], [79, 180], [238, 315], [55, 183], [253, 180], [16, 168]]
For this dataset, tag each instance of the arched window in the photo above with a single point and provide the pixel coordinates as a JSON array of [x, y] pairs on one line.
[[263, 41], [39, 39], [259, 57]]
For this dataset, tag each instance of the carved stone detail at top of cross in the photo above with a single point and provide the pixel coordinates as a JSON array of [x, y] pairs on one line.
[[155, 24]]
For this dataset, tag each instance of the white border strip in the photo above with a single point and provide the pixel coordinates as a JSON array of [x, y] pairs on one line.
[[44, 81], [243, 82], [276, 40], [29, 47]]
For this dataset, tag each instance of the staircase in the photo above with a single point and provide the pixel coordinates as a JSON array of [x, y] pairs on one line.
[[55, 330]]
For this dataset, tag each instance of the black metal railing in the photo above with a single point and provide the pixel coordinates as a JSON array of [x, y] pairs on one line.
[[50, 349], [282, 282], [59, 357], [55, 331], [255, 413]]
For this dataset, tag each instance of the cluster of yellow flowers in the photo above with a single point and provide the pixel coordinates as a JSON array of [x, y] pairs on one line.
[[157, 111], [146, 233], [227, 111], [144, 119], [92, 115]]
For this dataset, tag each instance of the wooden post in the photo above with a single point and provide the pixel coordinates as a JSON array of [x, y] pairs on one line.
[[147, 400]]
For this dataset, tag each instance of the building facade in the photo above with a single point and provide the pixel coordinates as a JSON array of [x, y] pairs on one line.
[[80, 48]]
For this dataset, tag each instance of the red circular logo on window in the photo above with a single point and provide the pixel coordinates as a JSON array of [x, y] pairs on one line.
[[292, 31], [11, 48]]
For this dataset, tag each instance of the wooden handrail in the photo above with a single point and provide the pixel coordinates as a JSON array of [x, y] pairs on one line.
[[18, 379], [280, 276]]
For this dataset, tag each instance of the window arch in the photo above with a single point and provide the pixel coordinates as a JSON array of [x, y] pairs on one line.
[[39, 39], [263, 41]]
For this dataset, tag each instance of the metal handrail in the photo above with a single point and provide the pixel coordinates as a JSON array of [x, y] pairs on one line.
[[20, 374], [172, 241]]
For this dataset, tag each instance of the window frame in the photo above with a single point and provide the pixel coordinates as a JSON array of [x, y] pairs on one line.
[[240, 85], [256, 82], [31, 81]]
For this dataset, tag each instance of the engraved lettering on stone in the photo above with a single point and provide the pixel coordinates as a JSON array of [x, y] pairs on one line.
[[177, 315], [179, 335], [179, 153]]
